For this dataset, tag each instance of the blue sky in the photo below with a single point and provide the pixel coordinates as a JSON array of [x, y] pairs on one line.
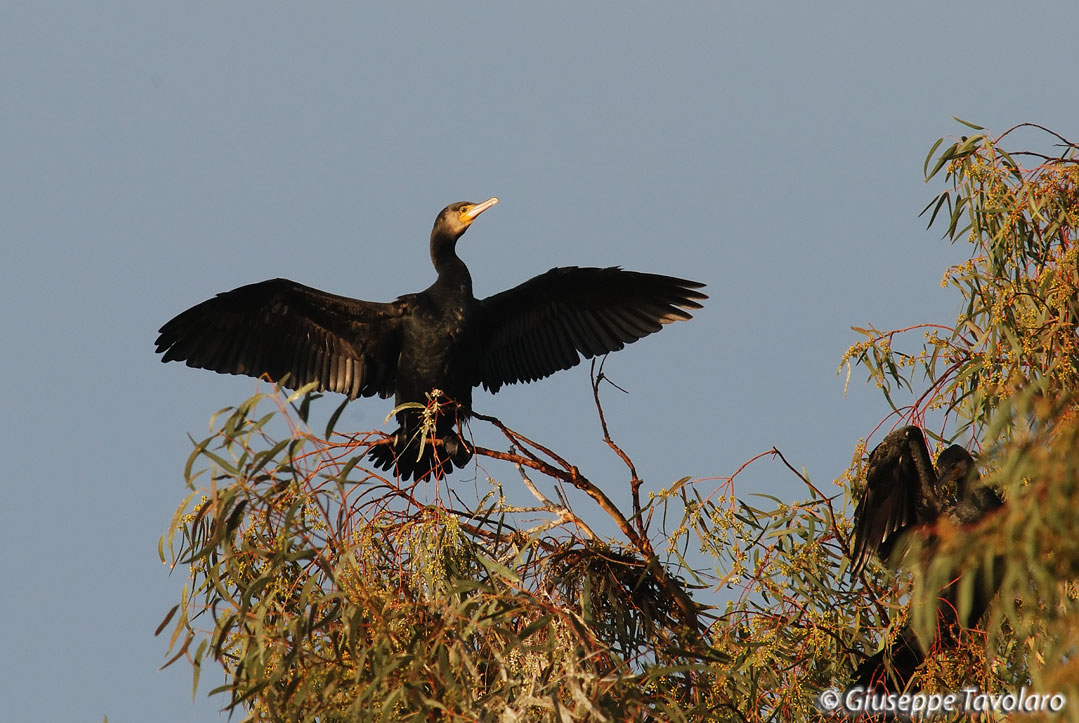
[[155, 154]]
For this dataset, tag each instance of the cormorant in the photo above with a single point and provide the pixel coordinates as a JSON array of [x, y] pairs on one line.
[[904, 492], [442, 338]]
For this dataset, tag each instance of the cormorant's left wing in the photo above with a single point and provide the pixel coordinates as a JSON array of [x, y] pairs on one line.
[[899, 492], [545, 324]]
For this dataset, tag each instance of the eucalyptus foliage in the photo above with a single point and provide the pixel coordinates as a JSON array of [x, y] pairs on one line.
[[326, 592], [1005, 374]]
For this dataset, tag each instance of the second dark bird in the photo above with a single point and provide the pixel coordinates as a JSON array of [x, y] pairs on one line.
[[903, 493], [441, 338]]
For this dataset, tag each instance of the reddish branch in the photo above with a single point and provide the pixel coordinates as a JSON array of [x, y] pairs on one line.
[[571, 475]]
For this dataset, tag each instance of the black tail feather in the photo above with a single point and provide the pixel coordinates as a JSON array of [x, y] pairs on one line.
[[438, 457]]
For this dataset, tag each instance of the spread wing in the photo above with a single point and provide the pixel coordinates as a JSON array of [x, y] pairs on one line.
[[280, 327], [545, 324], [897, 495]]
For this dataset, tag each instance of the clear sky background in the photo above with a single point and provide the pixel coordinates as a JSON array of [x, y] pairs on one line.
[[154, 154]]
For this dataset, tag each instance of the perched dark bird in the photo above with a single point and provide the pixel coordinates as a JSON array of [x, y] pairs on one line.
[[904, 492], [441, 339]]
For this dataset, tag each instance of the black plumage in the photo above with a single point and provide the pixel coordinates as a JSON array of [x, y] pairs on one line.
[[903, 493], [442, 338]]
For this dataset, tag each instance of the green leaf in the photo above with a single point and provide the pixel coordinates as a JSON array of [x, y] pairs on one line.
[[302, 391], [496, 568], [332, 422], [929, 157], [968, 124], [165, 622]]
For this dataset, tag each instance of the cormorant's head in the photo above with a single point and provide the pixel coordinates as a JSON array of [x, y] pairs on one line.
[[457, 217], [955, 465]]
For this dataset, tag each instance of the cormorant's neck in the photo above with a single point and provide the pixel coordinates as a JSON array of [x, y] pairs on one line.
[[451, 269]]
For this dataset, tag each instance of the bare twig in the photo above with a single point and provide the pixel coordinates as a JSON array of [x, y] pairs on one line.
[[634, 480], [565, 514]]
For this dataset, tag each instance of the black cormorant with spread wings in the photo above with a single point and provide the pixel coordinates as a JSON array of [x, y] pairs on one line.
[[904, 492], [442, 338]]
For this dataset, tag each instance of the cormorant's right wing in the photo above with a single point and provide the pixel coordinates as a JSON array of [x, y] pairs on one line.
[[280, 327]]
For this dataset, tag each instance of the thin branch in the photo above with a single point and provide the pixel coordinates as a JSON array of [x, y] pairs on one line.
[[635, 481], [565, 514]]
